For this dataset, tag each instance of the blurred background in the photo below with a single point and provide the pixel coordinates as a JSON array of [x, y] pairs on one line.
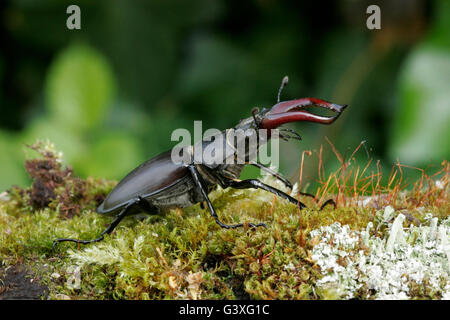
[[110, 95]]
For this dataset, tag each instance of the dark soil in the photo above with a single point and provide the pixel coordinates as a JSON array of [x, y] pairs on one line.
[[17, 283]]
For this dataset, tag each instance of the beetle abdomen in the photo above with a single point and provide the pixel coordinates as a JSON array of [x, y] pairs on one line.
[[180, 195], [149, 178]]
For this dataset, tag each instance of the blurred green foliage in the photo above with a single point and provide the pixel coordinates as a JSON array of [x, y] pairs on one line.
[[422, 124], [422, 129], [109, 95], [79, 88]]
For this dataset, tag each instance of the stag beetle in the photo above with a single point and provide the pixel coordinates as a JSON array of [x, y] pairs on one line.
[[160, 184]]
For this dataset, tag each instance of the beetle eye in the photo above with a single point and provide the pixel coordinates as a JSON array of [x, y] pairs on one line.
[[255, 110]]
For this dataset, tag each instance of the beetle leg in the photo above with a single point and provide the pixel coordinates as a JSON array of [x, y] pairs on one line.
[[273, 173], [195, 176], [108, 230], [329, 201], [288, 184], [256, 184]]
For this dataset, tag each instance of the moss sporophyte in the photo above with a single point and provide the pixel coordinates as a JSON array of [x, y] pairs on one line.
[[383, 240]]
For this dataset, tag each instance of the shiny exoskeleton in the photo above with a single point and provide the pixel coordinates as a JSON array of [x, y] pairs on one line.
[[160, 183]]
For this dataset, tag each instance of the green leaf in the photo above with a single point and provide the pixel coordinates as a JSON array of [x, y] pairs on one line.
[[111, 156], [421, 126], [422, 122], [80, 87]]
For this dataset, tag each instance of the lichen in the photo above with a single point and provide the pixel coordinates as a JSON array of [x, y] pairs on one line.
[[355, 264]]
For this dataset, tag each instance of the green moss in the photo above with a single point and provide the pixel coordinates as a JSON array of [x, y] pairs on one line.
[[182, 254]]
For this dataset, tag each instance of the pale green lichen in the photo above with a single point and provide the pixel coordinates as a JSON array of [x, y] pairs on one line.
[[383, 268]]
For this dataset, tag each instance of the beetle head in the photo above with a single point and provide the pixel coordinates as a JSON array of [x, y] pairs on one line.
[[290, 111], [294, 111]]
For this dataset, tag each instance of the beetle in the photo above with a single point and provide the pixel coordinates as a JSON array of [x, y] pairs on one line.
[[161, 183]]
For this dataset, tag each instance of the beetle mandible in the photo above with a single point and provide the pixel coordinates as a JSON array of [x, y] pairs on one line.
[[160, 183]]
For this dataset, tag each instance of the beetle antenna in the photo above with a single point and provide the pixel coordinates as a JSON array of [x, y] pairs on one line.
[[284, 83]]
